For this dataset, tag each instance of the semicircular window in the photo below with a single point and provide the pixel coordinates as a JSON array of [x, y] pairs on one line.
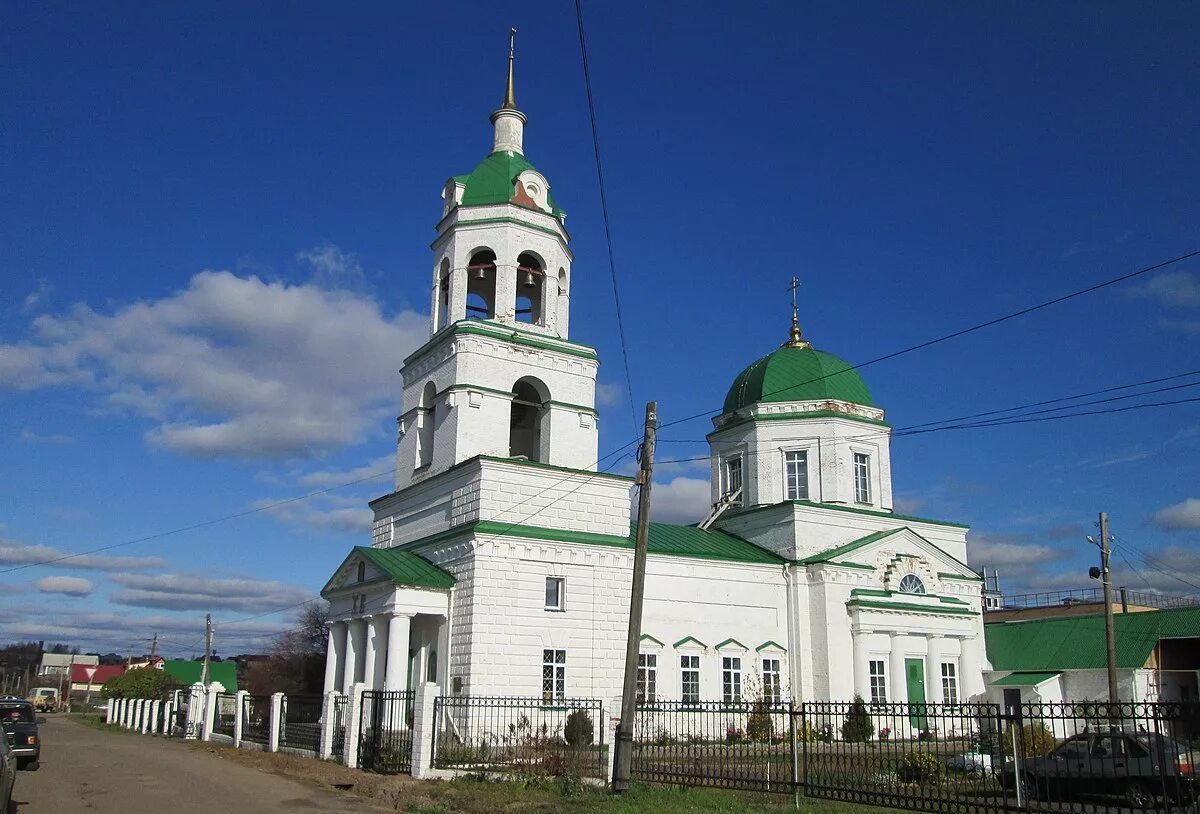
[[911, 584]]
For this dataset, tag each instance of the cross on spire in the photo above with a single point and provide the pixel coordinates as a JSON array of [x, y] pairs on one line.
[[510, 101], [795, 336]]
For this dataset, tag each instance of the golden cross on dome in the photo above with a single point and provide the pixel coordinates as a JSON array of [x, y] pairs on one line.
[[795, 336]]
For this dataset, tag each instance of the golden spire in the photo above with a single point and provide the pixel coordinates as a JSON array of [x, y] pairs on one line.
[[795, 335], [510, 101]]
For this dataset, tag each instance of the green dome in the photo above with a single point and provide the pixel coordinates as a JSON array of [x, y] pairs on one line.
[[492, 181], [797, 373]]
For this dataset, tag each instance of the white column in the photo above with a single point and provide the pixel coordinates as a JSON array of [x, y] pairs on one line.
[[862, 666], [276, 722], [897, 681], [328, 730], [353, 719], [399, 629], [422, 740], [970, 679], [210, 709], [933, 669], [372, 648], [354, 649], [377, 633], [335, 656], [239, 716]]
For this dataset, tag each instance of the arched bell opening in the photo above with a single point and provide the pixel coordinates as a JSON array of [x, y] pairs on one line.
[[531, 294], [529, 420], [425, 418], [481, 285], [443, 298]]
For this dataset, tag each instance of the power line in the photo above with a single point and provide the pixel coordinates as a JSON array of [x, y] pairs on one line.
[[1151, 563], [964, 331], [612, 263]]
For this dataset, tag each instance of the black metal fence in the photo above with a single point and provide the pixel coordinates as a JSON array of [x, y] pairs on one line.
[[1074, 757], [520, 736], [179, 727], [225, 715], [256, 719], [300, 725], [340, 711], [735, 746], [385, 731]]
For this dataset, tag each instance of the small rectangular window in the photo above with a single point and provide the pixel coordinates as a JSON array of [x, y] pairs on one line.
[[770, 673], [796, 474], [731, 680], [949, 683], [647, 677], [554, 676], [689, 679], [878, 683], [554, 593], [862, 477], [733, 478]]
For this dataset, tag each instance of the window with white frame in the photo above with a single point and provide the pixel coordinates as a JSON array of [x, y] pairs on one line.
[[554, 593], [689, 679], [949, 683], [878, 676], [862, 477], [733, 477], [771, 684], [795, 466], [554, 675], [647, 677], [731, 679]]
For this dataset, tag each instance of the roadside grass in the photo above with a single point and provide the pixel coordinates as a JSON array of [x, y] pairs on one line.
[[94, 720]]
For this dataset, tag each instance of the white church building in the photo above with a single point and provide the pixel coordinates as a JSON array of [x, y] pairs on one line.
[[501, 564]]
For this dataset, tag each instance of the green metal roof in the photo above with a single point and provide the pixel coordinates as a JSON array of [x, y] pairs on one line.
[[709, 544], [797, 374], [406, 568], [1077, 642], [1024, 679], [829, 554], [492, 181], [188, 673]]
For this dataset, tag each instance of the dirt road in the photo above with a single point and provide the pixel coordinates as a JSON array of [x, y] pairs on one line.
[[88, 770]]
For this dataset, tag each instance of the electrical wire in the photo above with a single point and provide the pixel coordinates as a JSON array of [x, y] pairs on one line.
[[612, 263]]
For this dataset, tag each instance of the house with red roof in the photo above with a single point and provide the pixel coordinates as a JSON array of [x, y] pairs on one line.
[[91, 677]]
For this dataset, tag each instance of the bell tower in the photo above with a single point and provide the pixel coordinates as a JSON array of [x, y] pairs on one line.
[[499, 376]]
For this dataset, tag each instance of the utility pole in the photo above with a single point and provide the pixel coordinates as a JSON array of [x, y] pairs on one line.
[[1109, 634], [154, 647], [623, 759], [207, 649]]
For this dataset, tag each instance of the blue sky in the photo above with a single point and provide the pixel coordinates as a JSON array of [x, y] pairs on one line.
[[214, 255]]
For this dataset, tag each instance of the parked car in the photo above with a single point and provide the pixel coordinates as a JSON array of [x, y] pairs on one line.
[[44, 699], [8, 776], [1138, 766], [21, 732]]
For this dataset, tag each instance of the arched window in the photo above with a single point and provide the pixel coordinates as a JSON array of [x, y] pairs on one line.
[[481, 285], [529, 414], [443, 314], [362, 571], [531, 283], [911, 584], [425, 417]]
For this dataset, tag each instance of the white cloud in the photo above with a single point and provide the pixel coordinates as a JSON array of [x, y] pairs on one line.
[[323, 479], [609, 394], [1185, 515], [13, 553], [28, 436], [680, 500], [1172, 289], [1012, 554], [1183, 326], [189, 592], [70, 586], [334, 269], [907, 505], [323, 515], [231, 366], [36, 297]]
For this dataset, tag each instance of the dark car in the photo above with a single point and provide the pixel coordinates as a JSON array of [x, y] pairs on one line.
[[21, 731], [1138, 766], [8, 776]]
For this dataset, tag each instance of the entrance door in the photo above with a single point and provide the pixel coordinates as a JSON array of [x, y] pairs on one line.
[[914, 670]]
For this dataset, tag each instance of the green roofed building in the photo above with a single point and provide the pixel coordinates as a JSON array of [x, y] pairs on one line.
[[188, 672], [1066, 658]]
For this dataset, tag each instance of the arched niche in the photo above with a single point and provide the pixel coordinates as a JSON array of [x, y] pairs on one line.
[[528, 426], [481, 285]]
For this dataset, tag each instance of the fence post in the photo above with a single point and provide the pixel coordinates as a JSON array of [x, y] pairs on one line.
[[123, 713], [168, 717], [127, 713], [793, 713], [108, 713], [239, 716], [611, 727], [328, 725], [195, 712], [353, 722], [210, 709], [148, 713], [276, 722], [422, 731], [135, 722]]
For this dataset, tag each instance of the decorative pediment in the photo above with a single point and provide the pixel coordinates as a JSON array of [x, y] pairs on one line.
[[896, 552], [367, 566]]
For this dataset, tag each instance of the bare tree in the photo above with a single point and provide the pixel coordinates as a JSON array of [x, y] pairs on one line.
[[296, 662]]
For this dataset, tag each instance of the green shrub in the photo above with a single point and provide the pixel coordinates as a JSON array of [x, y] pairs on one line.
[[857, 728], [759, 726], [579, 730], [1036, 740], [921, 768]]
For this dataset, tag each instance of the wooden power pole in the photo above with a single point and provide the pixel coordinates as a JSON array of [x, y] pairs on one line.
[[623, 759], [208, 633], [154, 647], [1110, 636]]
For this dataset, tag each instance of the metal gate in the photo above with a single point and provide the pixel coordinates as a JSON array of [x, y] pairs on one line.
[[385, 731]]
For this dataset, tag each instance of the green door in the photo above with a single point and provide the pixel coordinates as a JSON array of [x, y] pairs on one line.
[[915, 673]]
